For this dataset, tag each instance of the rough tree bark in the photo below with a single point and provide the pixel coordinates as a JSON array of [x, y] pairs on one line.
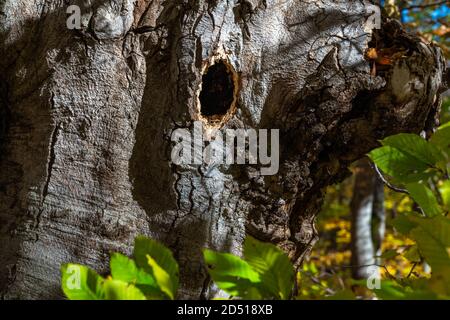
[[87, 117]]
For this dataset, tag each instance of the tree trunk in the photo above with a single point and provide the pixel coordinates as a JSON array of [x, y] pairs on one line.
[[87, 116], [378, 224], [368, 221]]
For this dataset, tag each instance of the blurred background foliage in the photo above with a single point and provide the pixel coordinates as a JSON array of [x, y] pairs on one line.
[[328, 270], [429, 19]]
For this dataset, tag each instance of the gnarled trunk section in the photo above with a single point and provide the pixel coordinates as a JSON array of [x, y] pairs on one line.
[[87, 117]]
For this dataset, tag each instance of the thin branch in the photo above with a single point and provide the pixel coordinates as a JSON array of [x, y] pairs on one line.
[[412, 269], [387, 183], [391, 186], [371, 265]]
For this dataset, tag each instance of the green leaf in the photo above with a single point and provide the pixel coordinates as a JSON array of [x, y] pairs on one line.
[[424, 198], [433, 252], [433, 238], [346, 294], [444, 190], [420, 295], [125, 269], [438, 227], [412, 254], [273, 265], [440, 282], [81, 283], [313, 268], [119, 290], [390, 290], [416, 147], [403, 224], [389, 254], [162, 256], [163, 279], [401, 166], [441, 138], [232, 274]]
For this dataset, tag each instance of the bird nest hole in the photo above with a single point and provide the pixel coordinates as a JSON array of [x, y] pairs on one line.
[[217, 97]]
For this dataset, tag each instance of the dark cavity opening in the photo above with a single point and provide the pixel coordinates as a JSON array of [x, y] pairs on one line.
[[217, 92]]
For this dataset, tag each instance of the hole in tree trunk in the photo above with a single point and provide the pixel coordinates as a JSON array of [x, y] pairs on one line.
[[218, 91]]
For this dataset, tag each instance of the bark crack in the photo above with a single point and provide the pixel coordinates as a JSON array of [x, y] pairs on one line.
[[50, 162]]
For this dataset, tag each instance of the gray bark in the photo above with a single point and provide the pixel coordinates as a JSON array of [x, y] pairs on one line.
[[368, 221], [87, 117], [378, 218]]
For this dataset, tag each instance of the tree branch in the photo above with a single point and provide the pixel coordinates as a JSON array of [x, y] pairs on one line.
[[391, 186], [387, 183]]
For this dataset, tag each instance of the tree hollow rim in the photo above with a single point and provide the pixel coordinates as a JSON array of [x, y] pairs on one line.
[[218, 120]]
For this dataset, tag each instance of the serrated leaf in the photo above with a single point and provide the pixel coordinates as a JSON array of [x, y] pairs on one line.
[[433, 238], [441, 139], [81, 283], [424, 198], [434, 253], [438, 227], [232, 274], [401, 166], [416, 147], [273, 266]]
